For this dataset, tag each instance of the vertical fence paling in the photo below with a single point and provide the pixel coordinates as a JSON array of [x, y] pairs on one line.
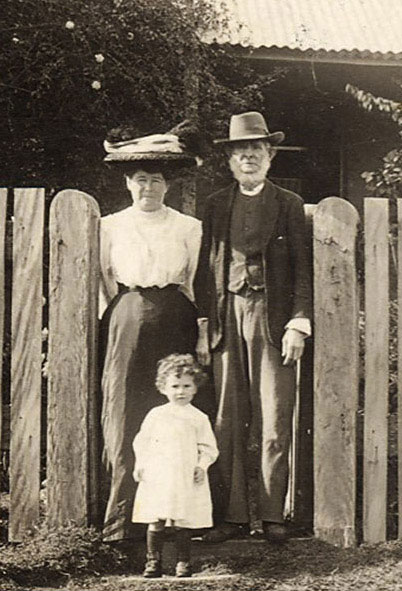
[[335, 371], [399, 213], [26, 350], [73, 276], [3, 208], [376, 370], [301, 477]]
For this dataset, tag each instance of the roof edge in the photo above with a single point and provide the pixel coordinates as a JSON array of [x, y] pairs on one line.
[[354, 57]]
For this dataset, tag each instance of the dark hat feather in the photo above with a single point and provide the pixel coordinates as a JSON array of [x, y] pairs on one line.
[[189, 137]]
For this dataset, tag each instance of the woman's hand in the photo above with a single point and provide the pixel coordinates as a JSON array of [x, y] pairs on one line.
[[138, 474], [199, 475], [202, 351], [202, 347]]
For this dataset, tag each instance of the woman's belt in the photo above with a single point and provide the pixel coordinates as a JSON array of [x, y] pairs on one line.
[[154, 288]]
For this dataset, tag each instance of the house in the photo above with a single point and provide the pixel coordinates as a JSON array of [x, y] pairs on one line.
[[323, 46]]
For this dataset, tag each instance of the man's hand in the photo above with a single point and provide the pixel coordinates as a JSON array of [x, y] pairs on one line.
[[138, 474], [292, 345], [199, 475]]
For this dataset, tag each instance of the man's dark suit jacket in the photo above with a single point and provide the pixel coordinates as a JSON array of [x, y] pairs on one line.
[[286, 266]]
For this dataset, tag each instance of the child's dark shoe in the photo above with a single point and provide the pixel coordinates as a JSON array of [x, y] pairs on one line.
[[183, 569], [153, 566]]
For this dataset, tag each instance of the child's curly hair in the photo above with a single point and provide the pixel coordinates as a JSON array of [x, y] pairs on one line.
[[178, 365]]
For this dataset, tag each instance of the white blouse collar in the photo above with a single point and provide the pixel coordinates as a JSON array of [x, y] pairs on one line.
[[149, 216]]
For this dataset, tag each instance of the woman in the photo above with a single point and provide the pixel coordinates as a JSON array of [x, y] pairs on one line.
[[149, 254]]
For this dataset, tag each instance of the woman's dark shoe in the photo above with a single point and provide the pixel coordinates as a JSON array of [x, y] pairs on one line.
[[183, 569], [226, 531], [153, 566], [275, 532]]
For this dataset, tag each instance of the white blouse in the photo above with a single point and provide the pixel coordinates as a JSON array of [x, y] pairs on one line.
[[148, 249]]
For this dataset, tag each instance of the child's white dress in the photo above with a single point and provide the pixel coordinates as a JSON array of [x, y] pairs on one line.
[[172, 441]]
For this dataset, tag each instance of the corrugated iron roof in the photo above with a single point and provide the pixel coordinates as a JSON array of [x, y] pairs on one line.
[[373, 26]]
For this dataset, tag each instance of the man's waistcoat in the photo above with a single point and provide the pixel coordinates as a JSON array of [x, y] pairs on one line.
[[246, 243]]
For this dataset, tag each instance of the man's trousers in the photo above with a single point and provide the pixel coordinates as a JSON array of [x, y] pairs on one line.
[[254, 390]]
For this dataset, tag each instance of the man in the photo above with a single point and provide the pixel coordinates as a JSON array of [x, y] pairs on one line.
[[253, 294]]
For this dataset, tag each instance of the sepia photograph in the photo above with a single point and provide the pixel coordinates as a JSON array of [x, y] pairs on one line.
[[200, 278]]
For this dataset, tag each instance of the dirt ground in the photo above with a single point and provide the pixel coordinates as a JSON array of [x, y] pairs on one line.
[[248, 565]]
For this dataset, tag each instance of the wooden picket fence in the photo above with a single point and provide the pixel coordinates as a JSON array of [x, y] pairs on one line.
[[329, 376]]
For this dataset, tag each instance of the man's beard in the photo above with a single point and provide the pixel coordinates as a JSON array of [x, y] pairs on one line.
[[250, 180]]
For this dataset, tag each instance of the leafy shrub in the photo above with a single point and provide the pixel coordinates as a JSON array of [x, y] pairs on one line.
[[387, 180]]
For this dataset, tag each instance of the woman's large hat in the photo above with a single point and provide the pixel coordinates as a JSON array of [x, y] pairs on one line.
[[161, 147], [250, 126]]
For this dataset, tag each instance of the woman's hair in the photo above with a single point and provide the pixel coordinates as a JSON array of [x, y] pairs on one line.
[[130, 168], [178, 365]]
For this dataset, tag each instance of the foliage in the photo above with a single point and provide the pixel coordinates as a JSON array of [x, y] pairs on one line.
[[48, 555], [386, 181], [72, 70]]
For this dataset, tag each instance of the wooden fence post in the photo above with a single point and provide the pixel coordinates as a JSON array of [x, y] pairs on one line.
[[26, 351], [73, 296], [3, 208], [335, 370], [376, 370], [399, 368]]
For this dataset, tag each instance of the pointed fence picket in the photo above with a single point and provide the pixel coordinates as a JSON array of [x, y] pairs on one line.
[[73, 288], [324, 459], [335, 370]]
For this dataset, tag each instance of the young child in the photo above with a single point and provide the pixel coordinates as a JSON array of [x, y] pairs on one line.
[[173, 450]]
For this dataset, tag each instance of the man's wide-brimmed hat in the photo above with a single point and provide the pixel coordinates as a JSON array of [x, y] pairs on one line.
[[165, 148], [250, 126]]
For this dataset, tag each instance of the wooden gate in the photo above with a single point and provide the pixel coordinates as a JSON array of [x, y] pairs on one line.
[[53, 430]]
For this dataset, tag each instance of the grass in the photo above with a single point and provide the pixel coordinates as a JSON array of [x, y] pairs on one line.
[[302, 565], [54, 556], [75, 559]]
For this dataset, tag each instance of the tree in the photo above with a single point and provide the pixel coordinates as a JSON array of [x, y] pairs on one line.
[[72, 70], [387, 180]]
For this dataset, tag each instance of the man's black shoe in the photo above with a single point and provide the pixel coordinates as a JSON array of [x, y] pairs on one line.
[[226, 531], [275, 532]]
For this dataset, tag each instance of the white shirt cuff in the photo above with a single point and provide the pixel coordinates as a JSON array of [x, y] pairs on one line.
[[204, 462], [301, 324]]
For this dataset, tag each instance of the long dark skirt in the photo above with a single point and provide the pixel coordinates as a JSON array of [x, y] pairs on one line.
[[142, 327]]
